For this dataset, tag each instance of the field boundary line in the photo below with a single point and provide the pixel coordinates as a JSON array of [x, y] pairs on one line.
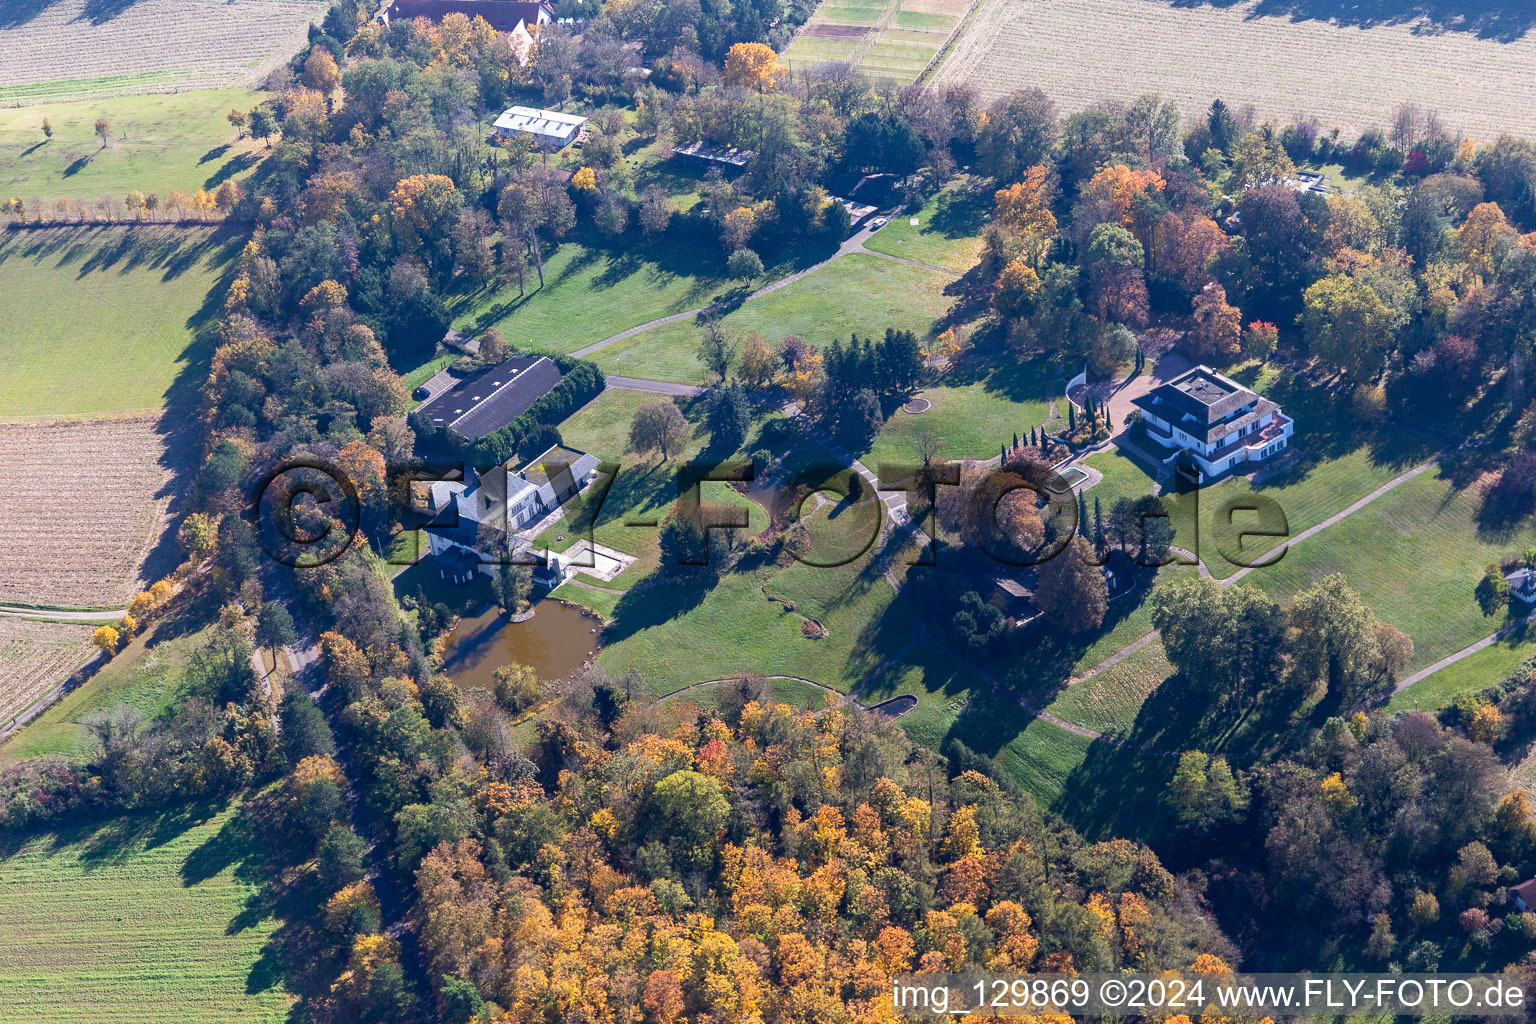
[[942, 53]]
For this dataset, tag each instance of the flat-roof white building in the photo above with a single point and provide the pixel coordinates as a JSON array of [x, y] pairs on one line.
[[548, 129]]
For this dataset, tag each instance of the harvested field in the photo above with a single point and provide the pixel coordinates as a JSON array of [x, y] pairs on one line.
[[150, 46], [35, 657], [84, 503], [887, 38], [1347, 75]]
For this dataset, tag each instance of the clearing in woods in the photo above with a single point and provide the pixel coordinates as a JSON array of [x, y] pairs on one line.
[[144, 918], [1348, 75], [887, 38], [157, 143], [84, 505], [74, 49]]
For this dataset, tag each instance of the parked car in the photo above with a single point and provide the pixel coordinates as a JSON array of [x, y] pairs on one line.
[[878, 223]]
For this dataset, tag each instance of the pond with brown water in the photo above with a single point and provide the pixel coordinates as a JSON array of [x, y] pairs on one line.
[[555, 643]]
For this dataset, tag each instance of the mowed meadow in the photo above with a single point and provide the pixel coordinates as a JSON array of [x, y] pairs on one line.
[[156, 144], [104, 321], [138, 919], [894, 39], [1350, 75]]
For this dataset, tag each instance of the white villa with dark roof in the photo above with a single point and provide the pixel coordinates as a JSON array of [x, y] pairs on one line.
[[1213, 421]]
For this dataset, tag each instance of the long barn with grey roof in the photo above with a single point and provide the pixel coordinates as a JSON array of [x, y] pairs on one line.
[[489, 399]]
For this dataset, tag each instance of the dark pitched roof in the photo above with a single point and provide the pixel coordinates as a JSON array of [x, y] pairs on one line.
[[503, 15], [489, 399], [1204, 403]]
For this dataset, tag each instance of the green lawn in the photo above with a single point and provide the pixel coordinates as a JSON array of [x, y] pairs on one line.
[[145, 675], [1415, 555], [158, 143], [858, 293], [643, 491], [138, 919], [1472, 673], [1332, 473], [954, 704], [590, 294], [670, 631], [948, 230], [1111, 700], [975, 411], [100, 321]]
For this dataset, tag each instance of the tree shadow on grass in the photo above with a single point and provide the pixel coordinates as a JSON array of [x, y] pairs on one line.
[[959, 213], [230, 168], [79, 164], [666, 594], [1117, 792]]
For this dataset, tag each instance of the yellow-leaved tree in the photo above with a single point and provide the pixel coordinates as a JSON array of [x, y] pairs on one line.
[[754, 66]]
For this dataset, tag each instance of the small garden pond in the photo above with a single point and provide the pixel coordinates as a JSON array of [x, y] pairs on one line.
[[555, 643]]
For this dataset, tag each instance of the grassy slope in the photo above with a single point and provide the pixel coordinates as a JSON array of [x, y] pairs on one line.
[[857, 294], [672, 633], [143, 675], [138, 919], [670, 630], [1414, 555], [590, 294], [643, 489], [954, 703], [975, 411], [948, 231], [158, 142], [1472, 673], [102, 320]]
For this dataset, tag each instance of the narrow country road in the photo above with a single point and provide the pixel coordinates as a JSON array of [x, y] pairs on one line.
[[20, 612]]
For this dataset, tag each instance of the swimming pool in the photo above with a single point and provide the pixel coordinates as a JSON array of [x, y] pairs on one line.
[[1071, 477]]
